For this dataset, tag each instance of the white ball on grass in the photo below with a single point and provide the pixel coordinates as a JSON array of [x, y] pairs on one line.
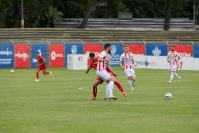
[[168, 96]]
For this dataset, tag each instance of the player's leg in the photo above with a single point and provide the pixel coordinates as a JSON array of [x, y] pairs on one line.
[[119, 86], [97, 82], [37, 75], [110, 80]]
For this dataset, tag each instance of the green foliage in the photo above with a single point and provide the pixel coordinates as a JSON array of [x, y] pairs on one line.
[[43, 13]]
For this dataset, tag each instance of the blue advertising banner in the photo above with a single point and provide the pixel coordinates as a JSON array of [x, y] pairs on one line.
[[117, 50], [196, 50], [38, 47], [73, 48], [6, 55], [156, 49]]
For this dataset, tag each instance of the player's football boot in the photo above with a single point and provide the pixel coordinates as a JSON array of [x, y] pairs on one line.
[[51, 73], [112, 98], [36, 80]]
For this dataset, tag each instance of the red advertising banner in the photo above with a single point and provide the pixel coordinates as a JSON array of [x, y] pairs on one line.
[[92, 47], [22, 55], [137, 48], [185, 50], [57, 55]]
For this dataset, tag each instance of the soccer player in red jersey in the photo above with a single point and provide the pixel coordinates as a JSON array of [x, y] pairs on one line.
[[41, 66], [92, 63]]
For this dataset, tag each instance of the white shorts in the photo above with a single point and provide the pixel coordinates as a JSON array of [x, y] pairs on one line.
[[172, 67], [129, 72], [103, 74]]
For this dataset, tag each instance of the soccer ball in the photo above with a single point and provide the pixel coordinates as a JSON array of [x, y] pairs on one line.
[[12, 70], [168, 96]]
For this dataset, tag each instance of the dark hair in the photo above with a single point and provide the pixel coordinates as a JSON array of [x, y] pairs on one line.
[[91, 55], [107, 45], [38, 52]]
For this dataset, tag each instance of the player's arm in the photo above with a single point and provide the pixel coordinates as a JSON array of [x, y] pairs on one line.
[[121, 63]]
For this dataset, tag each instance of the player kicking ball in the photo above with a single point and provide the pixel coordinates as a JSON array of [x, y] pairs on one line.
[[41, 66], [93, 64], [173, 59], [128, 64]]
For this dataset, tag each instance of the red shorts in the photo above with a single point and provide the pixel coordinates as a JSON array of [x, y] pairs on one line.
[[43, 67]]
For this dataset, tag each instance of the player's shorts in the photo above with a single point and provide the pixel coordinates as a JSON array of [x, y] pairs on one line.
[[43, 67], [129, 72], [100, 79], [103, 75], [172, 67]]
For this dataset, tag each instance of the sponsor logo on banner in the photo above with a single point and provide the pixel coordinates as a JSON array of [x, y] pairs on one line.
[[22, 55], [137, 48], [73, 49], [54, 55], [57, 55], [156, 49], [117, 50], [185, 50], [6, 55], [7, 52]]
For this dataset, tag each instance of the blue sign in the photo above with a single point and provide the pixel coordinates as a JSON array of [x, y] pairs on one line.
[[38, 47], [196, 50], [6, 55], [73, 48], [117, 50], [156, 49]]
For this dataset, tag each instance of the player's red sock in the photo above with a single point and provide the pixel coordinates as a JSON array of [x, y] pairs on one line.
[[37, 75], [46, 73], [94, 91], [119, 86]]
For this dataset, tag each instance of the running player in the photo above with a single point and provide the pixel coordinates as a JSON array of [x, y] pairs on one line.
[[173, 60], [41, 66], [92, 63], [128, 64]]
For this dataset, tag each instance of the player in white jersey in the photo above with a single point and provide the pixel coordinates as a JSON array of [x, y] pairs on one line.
[[128, 64], [173, 60], [103, 61]]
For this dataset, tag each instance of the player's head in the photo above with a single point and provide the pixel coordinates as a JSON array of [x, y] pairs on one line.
[[38, 53], [172, 47], [92, 56], [108, 47], [126, 48]]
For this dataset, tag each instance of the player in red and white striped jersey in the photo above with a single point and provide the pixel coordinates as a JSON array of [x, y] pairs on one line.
[[173, 59], [104, 60], [128, 64]]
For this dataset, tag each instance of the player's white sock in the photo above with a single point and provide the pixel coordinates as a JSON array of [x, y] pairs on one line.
[[171, 76], [107, 92], [130, 82], [177, 75], [110, 88]]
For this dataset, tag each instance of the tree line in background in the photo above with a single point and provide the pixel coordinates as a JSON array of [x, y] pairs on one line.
[[43, 13]]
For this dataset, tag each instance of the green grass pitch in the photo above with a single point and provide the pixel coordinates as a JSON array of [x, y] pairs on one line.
[[61, 103]]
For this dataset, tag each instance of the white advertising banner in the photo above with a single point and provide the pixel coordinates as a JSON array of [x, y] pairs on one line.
[[160, 62], [77, 61]]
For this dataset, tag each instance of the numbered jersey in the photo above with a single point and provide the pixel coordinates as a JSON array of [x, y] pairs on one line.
[[127, 61], [101, 65], [173, 57]]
